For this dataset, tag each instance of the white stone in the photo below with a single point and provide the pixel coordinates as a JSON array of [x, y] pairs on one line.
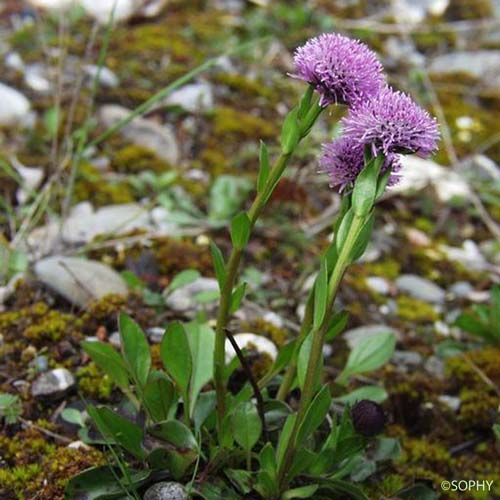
[[184, 298], [79, 280], [53, 383], [54, 4], [15, 106], [102, 10], [420, 288], [106, 76], [158, 138], [83, 224], [378, 285], [251, 340], [32, 178], [469, 255], [194, 97], [418, 173], [452, 402]]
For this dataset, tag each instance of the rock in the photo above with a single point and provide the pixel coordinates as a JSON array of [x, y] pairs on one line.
[[41, 363], [400, 52], [274, 319], [115, 340], [194, 97], [54, 383], [420, 288], [78, 445], [378, 285], [452, 402], [106, 76], [483, 168], [354, 335], [155, 334], [32, 178], [36, 76], [469, 255], [9, 289], [418, 238], [461, 289], [407, 358], [15, 106], [158, 138], [251, 340], [79, 280], [83, 224], [165, 491], [102, 10], [418, 173], [53, 4], [184, 298], [435, 367], [481, 64]]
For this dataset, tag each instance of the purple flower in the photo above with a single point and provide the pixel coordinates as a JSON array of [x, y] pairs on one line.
[[343, 160], [342, 70], [392, 123]]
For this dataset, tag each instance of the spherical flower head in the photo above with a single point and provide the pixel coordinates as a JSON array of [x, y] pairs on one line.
[[392, 122], [343, 159], [342, 70], [368, 418]]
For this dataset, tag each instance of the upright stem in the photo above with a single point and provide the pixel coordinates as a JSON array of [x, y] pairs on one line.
[[291, 369], [309, 388], [227, 290]]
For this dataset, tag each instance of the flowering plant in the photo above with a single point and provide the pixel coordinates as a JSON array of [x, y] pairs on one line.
[[253, 442]]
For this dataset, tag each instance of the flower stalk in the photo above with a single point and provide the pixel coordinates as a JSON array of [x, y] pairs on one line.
[[297, 126]]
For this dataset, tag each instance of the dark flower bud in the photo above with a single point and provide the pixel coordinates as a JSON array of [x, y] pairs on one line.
[[368, 418]]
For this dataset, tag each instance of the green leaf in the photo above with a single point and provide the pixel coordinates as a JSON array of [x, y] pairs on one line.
[[237, 297], [51, 121], [342, 489], [267, 459], [202, 345], [284, 438], [369, 354], [305, 102], [320, 295], [365, 187], [219, 265], [303, 360], [135, 349], [182, 279], [495, 312], [247, 426], [73, 416], [337, 324], [383, 180], [264, 167], [109, 361], [302, 492], [344, 228], [302, 461], [101, 483], [240, 230], [175, 433], [371, 392], [175, 354], [121, 430], [387, 449], [290, 133], [315, 415], [275, 412], [241, 479], [158, 396], [227, 194], [363, 239], [205, 405]]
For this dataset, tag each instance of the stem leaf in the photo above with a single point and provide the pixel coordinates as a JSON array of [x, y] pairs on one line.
[[264, 167]]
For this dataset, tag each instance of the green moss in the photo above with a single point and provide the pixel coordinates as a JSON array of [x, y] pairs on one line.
[[133, 159], [386, 268], [92, 186], [39, 469], [94, 383], [415, 311], [38, 323], [469, 9], [246, 86], [234, 123]]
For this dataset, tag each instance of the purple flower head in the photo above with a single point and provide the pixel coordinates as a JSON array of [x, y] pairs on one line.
[[342, 70], [343, 160], [392, 123]]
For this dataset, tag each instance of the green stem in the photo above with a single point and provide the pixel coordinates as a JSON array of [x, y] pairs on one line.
[[227, 290], [309, 388], [291, 369]]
